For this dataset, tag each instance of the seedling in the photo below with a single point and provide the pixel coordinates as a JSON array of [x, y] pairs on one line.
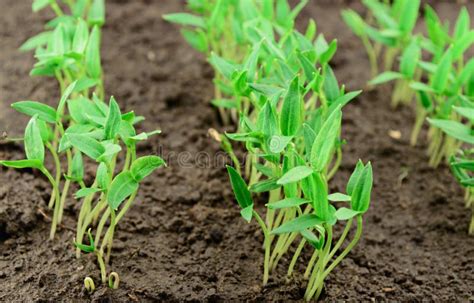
[[89, 285], [439, 83], [462, 165], [70, 51], [83, 125], [228, 29], [388, 28], [289, 104]]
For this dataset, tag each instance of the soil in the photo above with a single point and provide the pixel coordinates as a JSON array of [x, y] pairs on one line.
[[184, 240]]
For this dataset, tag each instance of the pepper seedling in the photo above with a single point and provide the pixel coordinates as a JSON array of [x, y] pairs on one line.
[[228, 29], [439, 83], [388, 28], [462, 164], [69, 50]]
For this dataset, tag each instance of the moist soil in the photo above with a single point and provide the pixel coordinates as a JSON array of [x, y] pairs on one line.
[[184, 240]]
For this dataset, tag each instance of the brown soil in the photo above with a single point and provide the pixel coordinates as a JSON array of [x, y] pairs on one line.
[[184, 239]]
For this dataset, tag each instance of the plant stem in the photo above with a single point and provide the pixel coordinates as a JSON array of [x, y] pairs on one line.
[[103, 271], [67, 183], [336, 164], [372, 56], [111, 237], [266, 245], [54, 221], [295, 257], [336, 262], [57, 165]]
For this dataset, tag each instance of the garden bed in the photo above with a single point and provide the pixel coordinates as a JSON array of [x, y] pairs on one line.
[[184, 239]]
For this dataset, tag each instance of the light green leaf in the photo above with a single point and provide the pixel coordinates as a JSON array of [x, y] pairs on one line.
[[295, 174], [44, 112], [144, 166], [123, 186], [34, 147]]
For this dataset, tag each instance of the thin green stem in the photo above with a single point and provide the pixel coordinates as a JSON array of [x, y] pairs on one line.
[[54, 221], [67, 183], [296, 256], [57, 165], [266, 245]]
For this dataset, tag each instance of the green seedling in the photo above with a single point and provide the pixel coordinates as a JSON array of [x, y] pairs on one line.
[[82, 128], [440, 83], [69, 48], [290, 111], [89, 285], [228, 29], [387, 29], [462, 165]]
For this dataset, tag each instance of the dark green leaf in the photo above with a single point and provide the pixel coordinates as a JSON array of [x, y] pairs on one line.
[[242, 194]]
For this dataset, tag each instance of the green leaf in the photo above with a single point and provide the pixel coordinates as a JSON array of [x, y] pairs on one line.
[[62, 102], [84, 192], [185, 19], [279, 143], [223, 66], [331, 87], [224, 103], [312, 239], [354, 177], [410, 58], [440, 78], [300, 223], [354, 21], [466, 112], [112, 123], [325, 140], [264, 186], [419, 86], [36, 41], [23, 164], [81, 36], [344, 213], [92, 59], [77, 169], [339, 197], [287, 203], [87, 145], [241, 192], [123, 186], [385, 77], [360, 200], [111, 150], [96, 15], [295, 174], [34, 146], [39, 4], [463, 24], [291, 112], [409, 15], [325, 57], [454, 129], [247, 213], [102, 176], [44, 112], [196, 38], [267, 121], [144, 166], [87, 248]]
